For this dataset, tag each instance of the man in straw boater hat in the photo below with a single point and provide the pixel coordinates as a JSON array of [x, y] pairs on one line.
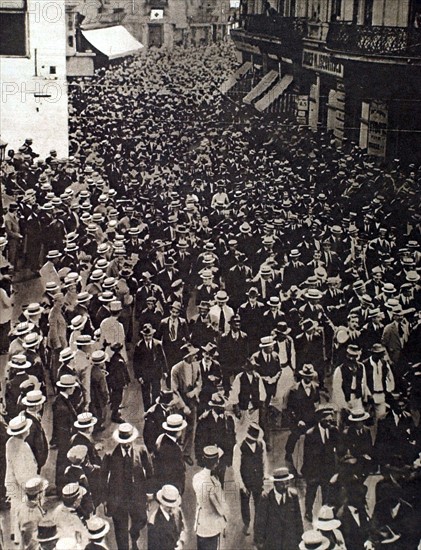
[[314, 540], [278, 524], [85, 425], [64, 416], [302, 401], [97, 531], [211, 511], [166, 527], [37, 439], [250, 464], [72, 513], [20, 467], [169, 466], [31, 511], [127, 474]]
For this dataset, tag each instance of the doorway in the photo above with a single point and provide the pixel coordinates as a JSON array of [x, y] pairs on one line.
[[155, 36]]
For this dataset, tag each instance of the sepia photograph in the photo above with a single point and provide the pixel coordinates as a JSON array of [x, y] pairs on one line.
[[210, 262]]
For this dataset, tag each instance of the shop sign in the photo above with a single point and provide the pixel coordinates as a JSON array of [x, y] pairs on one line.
[[323, 62]]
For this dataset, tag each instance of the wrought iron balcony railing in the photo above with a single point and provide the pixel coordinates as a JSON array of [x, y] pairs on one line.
[[377, 41]]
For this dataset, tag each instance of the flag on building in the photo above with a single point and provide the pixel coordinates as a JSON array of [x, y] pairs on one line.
[[157, 14]]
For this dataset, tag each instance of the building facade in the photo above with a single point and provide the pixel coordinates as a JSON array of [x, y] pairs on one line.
[[352, 67], [33, 75]]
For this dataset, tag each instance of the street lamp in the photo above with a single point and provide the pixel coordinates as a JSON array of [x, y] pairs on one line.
[[3, 146]]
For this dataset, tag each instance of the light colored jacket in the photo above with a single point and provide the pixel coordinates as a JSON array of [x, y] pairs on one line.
[[210, 504]]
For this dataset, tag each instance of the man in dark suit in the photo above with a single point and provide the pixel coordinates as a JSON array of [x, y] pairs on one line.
[[353, 517], [149, 365], [233, 351], [302, 401], [309, 348], [64, 416], [36, 439], [278, 524], [166, 529], [150, 314], [355, 441], [210, 372], [214, 427], [173, 331], [295, 272], [200, 326], [320, 441], [251, 313], [84, 425], [127, 474], [169, 464]]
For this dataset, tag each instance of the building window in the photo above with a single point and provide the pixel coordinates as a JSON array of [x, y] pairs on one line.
[[53, 69], [13, 28], [70, 41], [70, 23]]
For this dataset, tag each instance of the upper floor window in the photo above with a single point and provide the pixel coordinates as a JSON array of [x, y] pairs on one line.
[[13, 28]]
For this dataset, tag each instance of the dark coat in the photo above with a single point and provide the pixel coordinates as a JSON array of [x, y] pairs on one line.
[[120, 496], [169, 464], [302, 406], [215, 431], [163, 534], [324, 467], [37, 440], [355, 535], [233, 353], [149, 364], [93, 466], [278, 527]]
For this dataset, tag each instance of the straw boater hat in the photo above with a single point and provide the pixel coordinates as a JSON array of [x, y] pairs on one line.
[[84, 340], [97, 527], [72, 491], [35, 485], [125, 433], [32, 340], [212, 452], [33, 309], [221, 296], [78, 322], [66, 354], [313, 540], [23, 328], [174, 423], [19, 362], [85, 420], [266, 341], [67, 381], [169, 496], [33, 398], [281, 474], [19, 425], [326, 520], [358, 415]]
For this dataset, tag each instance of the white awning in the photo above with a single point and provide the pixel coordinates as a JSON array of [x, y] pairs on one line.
[[261, 87], [113, 42], [274, 93], [232, 80]]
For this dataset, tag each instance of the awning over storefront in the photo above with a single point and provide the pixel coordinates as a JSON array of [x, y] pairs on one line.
[[274, 93], [232, 80], [261, 87], [114, 42]]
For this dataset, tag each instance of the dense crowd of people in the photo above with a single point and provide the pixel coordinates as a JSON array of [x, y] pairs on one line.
[[250, 277]]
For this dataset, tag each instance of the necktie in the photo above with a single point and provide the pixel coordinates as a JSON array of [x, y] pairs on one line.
[[173, 335], [221, 325]]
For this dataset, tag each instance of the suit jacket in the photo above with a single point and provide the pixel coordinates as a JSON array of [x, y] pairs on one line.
[[302, 406], [218, 431], [309, 351], [210, 508], [392, 341], [186, 377], [278, 526], [324, 467], [64, 415], [355, 535], [119, 495], [37, 440], [233, 353], [169, 464], [162, 533], [149, 364]]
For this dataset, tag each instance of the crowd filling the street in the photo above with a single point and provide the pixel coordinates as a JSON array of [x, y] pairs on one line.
[[206, 309]]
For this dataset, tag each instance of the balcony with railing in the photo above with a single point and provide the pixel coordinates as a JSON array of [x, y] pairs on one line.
[[374, 41]]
